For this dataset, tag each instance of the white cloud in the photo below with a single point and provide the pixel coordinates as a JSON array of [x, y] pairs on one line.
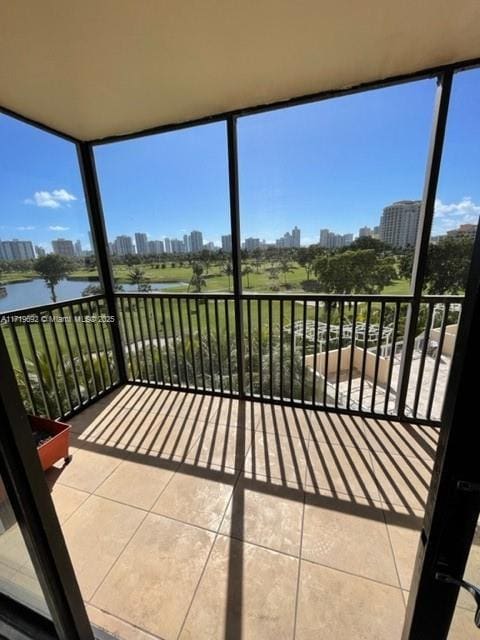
[[453, 214], [57, 227], [26, 228], [51, 199]]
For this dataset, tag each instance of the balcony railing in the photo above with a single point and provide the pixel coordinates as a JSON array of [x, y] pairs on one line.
[[338, 352]]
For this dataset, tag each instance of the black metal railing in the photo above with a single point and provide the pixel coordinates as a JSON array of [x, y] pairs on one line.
[[62, 354], [339, 352], [184, 341], [334, 351]]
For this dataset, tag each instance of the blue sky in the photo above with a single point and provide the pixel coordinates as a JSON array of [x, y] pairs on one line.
[[332, 164]]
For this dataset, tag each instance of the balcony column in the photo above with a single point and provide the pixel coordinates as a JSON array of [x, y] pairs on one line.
[[236, 248], [99, 236], [423, 234]]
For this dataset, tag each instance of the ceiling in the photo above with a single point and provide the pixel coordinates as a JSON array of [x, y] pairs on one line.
[[96, 68]]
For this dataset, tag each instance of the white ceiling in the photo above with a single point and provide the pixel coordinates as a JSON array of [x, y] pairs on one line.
[[94, 68]]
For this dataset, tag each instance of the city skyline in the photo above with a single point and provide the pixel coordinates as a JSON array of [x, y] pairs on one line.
[[311, 165]]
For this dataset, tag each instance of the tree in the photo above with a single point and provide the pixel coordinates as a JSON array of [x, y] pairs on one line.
[[137, 276], [285, 267], [448, 264], [197, 281], [367, 242], [247, 270], [354, 272], [53, 268], [228, 271], [306, 257]]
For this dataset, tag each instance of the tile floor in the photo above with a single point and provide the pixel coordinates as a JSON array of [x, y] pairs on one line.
[[195, 517]]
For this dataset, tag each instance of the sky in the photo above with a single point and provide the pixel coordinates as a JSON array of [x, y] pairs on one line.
[[333, 164]]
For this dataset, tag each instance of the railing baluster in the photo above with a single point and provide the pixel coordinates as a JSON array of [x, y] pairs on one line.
[[270, 346], [260, 354], [292, 346], [200, 342], [36, 365], [250, 348], [126, 332], [377, 357], [150, 339], [134, 336], [106, 339], [75, 322], [158, 338], [182, 339], [366, 336], [304, 345], [327, 349], [315, 354], [219, 347], [392, 356], [421, 368], [140, 317], [281, 348], [167, 348], [61, 363], [70, 352], [438, 357], [23, 366], [174, 339], [229, 353], [192, 349], [351, 364], [339, 354], [209, 341], [96, 344], [53, 375]]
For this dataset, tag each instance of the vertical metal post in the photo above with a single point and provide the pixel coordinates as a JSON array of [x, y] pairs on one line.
[[423, 235], [236, 248], [28, 493], [99, 236], [451, 513]]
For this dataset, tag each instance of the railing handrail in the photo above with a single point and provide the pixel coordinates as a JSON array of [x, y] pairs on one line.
[[50, 306]]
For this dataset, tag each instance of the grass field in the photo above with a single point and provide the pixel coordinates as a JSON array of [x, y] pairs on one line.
[[215, 279]]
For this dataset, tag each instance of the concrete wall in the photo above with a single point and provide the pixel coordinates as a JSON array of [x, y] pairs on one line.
[[449, 339], [345, 356]]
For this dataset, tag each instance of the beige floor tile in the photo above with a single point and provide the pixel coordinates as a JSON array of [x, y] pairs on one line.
[[26, 589], [402, 481], [88, 470], [349, 536], [146, 399], [113, 427], [99, 413], [246, 589], [13, 551], [273, 456], [385, 436], [153, 582], [336, 428], [221, 447], [136, 481], [271, 517], [340, 469], [194, 407], [67, 500], [237, 413], [333, 604], [96, 534], [195, 499], [284, 421], [404, 532], [115, 626], [463, 626]]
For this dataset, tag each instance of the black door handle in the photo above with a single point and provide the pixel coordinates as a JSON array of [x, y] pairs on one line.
[[463, 584]]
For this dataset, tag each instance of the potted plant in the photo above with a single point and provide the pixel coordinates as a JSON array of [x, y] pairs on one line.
[[51, 439]]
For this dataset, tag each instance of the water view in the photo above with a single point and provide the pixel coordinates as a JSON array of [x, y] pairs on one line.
[[21, 295]]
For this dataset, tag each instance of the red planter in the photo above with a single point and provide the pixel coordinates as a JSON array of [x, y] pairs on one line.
[[56, 447]]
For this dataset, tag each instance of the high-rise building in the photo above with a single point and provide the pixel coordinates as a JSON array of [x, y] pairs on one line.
[[155, 247], [39, 251], [63, 247], [16, 250], [251, 244], [295, 237], [177, 246], [196, 241], [463, 231], [227, 244], [123, 246], [399, 223], [331, 240], [365, 232], [168, 246], [187, 243], [78, 248], [141, 242]]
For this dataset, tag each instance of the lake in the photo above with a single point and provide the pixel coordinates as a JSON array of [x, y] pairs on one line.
[[21, 295]]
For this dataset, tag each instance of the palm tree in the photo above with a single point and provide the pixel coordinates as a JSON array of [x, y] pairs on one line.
[[285, 267], [136, 275], [247, 270], [197, 281], [228, 271]]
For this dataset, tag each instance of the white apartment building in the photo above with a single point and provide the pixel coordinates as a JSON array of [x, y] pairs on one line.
[[399, 223]]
